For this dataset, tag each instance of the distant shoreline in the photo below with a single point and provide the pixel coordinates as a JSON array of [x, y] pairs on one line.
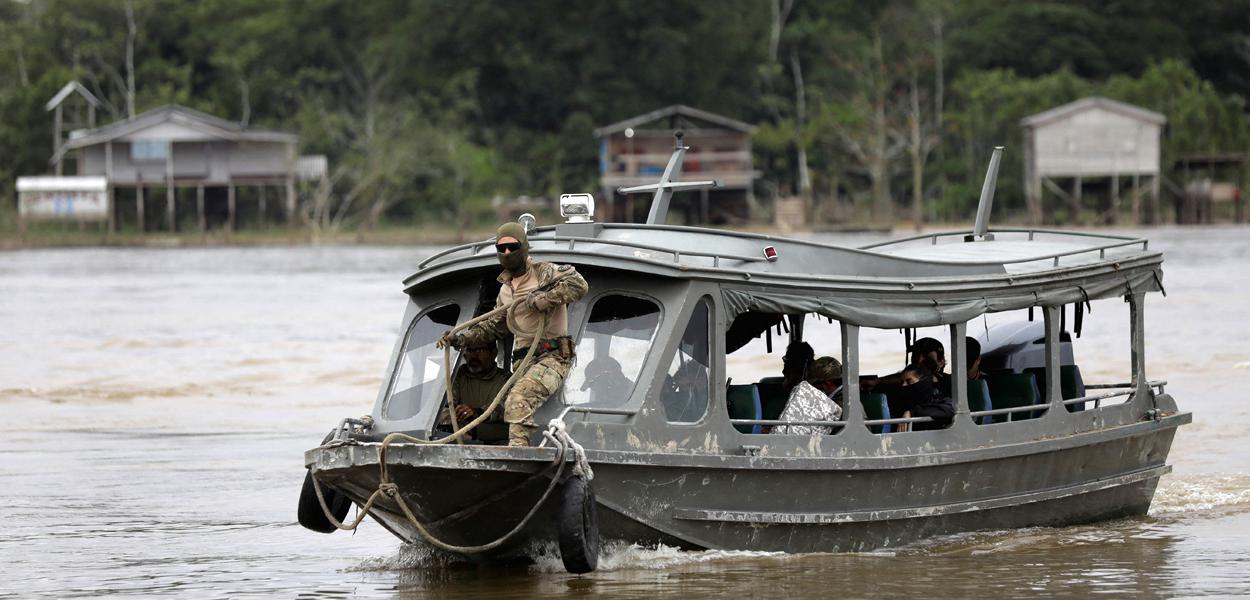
[[401, 236]]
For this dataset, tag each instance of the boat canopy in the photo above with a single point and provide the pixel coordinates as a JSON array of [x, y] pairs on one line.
[[902, 310]]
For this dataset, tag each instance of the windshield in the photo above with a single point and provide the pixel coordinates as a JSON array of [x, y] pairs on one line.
[[419, 375], [614, 345]]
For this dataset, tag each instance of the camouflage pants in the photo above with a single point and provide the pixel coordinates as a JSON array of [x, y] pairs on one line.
[[543, 378]]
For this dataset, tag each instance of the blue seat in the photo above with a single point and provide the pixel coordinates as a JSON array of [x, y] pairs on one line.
[[744, 403]]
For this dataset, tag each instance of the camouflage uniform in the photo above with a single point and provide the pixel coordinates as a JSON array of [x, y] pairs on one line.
[[546, 374], [478, 391], [806, 403]]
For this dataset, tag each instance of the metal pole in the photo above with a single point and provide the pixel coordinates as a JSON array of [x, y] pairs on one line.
[[663, 193], [981, 230]]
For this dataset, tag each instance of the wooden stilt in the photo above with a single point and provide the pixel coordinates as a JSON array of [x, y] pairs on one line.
[[199, 208], [230, 209], [139, 206], [264, 222]]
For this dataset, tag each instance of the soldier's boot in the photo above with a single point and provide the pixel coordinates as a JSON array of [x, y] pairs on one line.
[[519, 435]]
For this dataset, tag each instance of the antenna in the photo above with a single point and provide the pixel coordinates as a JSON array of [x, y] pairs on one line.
[[665, 187], [980, 232]]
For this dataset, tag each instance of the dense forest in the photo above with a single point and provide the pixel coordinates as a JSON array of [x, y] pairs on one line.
[[427, 109]]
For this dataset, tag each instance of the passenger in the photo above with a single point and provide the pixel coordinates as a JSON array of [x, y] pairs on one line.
[[922, 398], [826, 376], [928, 353], [806, 402], [474, 388], [606, 381], [973, 349], [547, 289], [909, 376], [685, 393]]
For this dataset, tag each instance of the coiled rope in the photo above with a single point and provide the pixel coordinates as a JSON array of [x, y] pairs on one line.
[[556, 433]]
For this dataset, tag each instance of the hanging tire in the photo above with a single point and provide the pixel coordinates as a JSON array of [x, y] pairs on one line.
[[578, 527], [310, 514]]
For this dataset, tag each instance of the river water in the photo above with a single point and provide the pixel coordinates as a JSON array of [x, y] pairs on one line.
[[157, 403]]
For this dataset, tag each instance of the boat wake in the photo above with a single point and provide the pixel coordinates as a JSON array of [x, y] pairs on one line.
[[1196, 493]]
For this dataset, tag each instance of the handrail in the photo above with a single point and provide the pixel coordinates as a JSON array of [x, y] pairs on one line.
[[1029, 230], [775, 422], [1101, 249], [869, 249], [677, 254], [1007, 411]]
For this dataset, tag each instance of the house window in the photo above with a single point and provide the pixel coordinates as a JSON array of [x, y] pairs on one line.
[[149, 150]]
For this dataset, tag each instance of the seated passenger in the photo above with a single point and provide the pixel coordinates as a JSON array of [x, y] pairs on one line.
[[606, 381], [923, 398], [475, 387], [826, 376], [807, 402], [685, 392], [973, 348]]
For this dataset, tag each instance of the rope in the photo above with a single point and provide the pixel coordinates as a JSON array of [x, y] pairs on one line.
[[557, 433]]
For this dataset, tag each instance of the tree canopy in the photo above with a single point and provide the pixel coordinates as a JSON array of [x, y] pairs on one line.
[[428, 108]]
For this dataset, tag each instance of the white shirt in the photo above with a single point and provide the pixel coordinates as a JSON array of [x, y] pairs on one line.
[[806, 403]]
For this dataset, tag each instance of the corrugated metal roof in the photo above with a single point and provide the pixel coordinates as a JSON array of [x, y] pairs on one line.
[[209, 124], [676, 109], [1071, 108]]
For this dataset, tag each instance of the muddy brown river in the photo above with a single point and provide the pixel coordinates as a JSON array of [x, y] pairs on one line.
[[156, 404]]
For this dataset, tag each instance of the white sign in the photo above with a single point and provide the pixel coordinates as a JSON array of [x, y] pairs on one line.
[[62, 198]]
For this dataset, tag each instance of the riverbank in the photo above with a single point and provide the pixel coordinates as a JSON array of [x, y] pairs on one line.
[[70, 236], [49, 237]]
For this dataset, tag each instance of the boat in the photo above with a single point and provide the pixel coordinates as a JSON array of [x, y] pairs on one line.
[[652, 441]]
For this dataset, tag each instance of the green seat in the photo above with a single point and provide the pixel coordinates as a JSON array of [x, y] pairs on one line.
[[1070, 384], [979, 399], [744, 403], [875, 407], [1011, 390]]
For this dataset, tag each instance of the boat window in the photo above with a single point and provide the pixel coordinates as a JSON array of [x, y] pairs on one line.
[[614, 344], [419, 376], [1094, 361], [685, 392], [756, 391]]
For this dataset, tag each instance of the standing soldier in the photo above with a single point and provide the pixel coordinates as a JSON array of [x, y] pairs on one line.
[[547, 289]]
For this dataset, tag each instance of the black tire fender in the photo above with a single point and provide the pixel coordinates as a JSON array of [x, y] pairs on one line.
[[578, 527], [310, 514]]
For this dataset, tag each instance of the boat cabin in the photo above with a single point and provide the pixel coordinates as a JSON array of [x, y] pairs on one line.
[[669, 337]]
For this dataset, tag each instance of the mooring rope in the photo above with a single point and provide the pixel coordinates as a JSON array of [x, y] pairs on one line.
[[557, 433]]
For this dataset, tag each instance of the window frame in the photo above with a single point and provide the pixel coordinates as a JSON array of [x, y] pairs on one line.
[[584, 322], [399, 357], [712, 346]]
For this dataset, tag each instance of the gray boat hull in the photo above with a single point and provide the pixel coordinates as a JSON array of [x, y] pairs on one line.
[[472, 494]]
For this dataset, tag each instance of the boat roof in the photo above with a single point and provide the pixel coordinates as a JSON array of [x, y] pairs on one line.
[[876, 285]]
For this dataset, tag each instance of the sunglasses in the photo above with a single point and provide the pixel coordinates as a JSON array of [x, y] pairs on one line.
[[509, 247]]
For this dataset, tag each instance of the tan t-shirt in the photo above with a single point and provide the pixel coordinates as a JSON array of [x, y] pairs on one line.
[[528, 319]]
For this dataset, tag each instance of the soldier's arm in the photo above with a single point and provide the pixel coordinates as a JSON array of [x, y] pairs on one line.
[[486, 331], [569, 288]]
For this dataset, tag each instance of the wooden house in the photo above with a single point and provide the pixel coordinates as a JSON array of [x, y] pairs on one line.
[[1092, 138], [636, 150]]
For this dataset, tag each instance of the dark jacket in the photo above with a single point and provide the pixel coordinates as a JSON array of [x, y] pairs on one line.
[[923, 398]]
